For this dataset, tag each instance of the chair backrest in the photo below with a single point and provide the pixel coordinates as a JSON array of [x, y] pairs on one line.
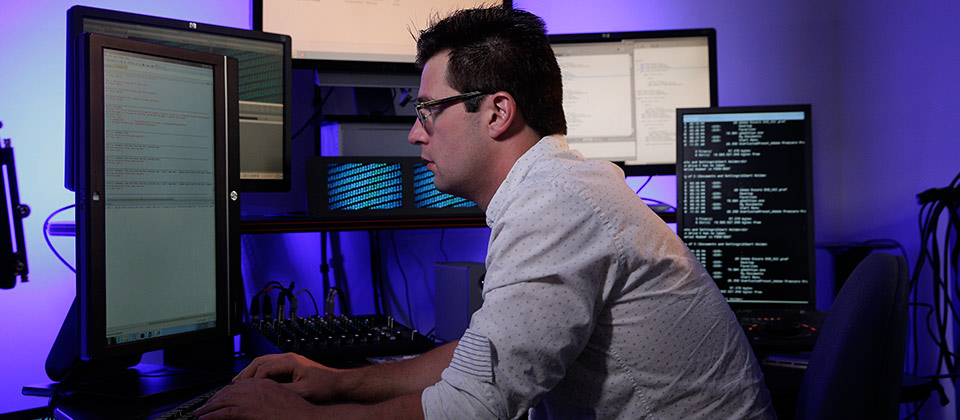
[[856, 367]]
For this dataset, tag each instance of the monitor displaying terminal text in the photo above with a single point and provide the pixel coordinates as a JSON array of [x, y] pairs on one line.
[[744, 188]]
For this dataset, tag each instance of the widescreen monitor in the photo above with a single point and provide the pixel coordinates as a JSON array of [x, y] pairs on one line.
[[157, 208], [744, 189], [621, 91], [356, 43], [265, 84]]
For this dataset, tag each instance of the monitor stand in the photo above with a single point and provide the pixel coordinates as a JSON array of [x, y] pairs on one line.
[[64, 356], [190, 366]]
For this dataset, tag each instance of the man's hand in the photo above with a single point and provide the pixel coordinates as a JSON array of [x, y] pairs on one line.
[[290, 386], [306, 378], [257, 399]]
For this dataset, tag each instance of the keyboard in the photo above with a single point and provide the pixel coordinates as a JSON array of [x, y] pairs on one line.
[[186, 410]]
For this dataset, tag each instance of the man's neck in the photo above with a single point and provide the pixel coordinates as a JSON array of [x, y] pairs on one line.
[[508, 152]]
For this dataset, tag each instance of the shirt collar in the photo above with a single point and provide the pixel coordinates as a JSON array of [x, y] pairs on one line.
[[546, 146]]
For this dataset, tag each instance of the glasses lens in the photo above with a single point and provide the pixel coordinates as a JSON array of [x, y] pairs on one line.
[[422, 115], [424, 109]]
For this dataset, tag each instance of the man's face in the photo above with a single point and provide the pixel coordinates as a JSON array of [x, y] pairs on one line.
[[450, 140]]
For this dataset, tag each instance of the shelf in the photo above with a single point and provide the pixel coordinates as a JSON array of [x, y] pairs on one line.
[[292, 224]]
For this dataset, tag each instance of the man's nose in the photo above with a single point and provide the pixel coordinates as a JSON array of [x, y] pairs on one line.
[[417, 134]]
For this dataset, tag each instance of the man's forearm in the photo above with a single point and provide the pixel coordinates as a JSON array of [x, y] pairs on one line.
[[407, 407], [386, 381]]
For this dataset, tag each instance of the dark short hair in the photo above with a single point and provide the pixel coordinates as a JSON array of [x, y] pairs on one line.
[[500, 49]]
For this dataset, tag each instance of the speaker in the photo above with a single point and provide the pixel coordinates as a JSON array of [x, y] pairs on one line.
[[457, 289]]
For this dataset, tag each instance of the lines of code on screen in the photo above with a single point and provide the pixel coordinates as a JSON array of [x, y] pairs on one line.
[[745, 203]]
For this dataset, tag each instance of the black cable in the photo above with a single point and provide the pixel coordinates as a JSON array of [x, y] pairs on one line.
[[59, 391], [339, 281], [266, 308], [314, 300], [288, 292], [324, 264], [406, 285], [941, 292], [930, 312], [915, 334], [46, 236], [649, 177], [272, 283], [443, 233], [376, 272], [933, 202], [316, 112]]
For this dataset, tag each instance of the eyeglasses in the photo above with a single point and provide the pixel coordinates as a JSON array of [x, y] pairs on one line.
[[426, 109]]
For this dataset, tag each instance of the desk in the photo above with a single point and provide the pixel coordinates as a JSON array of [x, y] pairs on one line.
[[30, 414], [141, 392]]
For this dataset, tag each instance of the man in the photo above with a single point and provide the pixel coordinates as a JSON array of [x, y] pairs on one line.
[[593, 308]]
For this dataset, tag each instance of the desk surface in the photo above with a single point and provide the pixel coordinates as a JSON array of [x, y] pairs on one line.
[[142, 392]]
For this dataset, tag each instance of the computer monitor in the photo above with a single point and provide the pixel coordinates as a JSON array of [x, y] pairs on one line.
[[359, 43], [744, 188], [373, 191], [157, 208], [621, 91], [265, 84]]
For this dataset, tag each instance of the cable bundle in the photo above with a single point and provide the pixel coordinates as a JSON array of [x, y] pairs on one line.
[[942, 258]]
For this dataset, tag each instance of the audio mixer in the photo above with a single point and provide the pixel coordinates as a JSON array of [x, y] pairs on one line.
[[329, 338]]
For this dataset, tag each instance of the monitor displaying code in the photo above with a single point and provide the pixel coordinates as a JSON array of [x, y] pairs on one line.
[[744, 188]]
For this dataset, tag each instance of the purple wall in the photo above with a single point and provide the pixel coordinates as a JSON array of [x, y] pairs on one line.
[[881, 77]]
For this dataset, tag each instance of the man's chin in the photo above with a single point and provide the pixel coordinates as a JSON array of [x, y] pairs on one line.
[[440, 186]]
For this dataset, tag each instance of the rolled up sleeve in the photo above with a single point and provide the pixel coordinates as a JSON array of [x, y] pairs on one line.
[[466, 389]]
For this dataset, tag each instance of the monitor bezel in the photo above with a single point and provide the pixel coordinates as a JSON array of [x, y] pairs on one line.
[[75, 18], [811, 305], [91, 265], [611, 37]]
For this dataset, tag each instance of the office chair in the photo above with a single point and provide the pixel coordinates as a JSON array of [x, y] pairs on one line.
[[856, 367]]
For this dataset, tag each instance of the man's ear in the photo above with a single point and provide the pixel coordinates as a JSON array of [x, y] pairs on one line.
[[503, 115]]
